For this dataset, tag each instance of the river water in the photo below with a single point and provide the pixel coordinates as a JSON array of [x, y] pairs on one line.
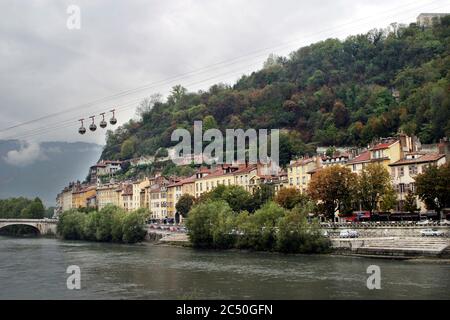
[[35, 268]]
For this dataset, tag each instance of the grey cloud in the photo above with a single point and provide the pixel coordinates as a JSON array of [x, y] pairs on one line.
[[26, 155]]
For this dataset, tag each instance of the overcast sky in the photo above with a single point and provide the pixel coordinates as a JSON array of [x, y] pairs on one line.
[[46, 67]]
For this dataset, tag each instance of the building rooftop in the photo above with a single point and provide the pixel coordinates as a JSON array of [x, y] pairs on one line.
[[300, 162], [428, 157], [363, 157]]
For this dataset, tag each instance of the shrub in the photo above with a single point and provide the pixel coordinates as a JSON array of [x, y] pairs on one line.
[[109, 224], [296, 235], [258, 230], [236, 196], [133, 226], [210, 224], [71, 225]]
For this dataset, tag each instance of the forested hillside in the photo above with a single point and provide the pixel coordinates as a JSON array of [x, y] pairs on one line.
[[330, 93]]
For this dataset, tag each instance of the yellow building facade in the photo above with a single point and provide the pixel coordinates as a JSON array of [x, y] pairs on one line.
[[80, 197], [297, 172], [108, 194]]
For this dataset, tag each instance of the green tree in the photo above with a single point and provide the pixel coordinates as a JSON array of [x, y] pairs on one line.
[[71, 225], [433, 187], [162, 152], [34, 210], [261, 195], [410, 204], [184, 204], [127, 150], [296, 235], [133, 226], [389, 199], [236, 197], [373, 182], [209, 224], [259, 229], [209, 123]]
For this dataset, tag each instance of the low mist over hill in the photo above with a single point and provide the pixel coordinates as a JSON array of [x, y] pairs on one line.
[[32, 169]]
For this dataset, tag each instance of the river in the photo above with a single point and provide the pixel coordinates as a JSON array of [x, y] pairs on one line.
[[35, 268]]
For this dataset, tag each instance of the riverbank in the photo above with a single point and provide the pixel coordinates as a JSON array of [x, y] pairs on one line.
[[385, 247]]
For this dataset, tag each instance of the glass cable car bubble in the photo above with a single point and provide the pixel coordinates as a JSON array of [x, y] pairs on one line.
[[113, 119], [92, 126], [82, 129], [103, 123]]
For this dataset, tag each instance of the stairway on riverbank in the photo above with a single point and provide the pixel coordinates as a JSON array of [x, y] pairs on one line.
[[404, 247], [180, 238]]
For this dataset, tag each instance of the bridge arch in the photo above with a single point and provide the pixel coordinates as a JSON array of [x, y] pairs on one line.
[[34, 226], [44, 226]]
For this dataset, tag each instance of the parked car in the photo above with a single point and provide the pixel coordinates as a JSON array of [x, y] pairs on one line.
[[431, 233], [347, 233], [423, 222], [445, 222]]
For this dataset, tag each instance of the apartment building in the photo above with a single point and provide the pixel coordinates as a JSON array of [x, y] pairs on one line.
[[174, 192], [81, 194], [103, 168], [66, 199], [158, 202], [298, 172], [207, 180], [404, 171], [386, 151], [127, 197], [108, 194], [188, 185]]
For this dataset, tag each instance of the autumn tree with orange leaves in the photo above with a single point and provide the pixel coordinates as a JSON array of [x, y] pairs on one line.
[[334, 189]]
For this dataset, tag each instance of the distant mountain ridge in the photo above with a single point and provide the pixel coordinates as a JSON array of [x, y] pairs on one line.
[[42, 170]]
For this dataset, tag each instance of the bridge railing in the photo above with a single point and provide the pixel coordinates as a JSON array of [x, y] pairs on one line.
[[30, 220]]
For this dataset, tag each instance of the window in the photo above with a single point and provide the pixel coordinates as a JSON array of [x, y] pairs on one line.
[[412, 170], [401, 187], [298, 180], [354, 167], [393, 172], [401, 171]]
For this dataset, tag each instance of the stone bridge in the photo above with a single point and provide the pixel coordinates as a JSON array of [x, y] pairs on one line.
[[44, 226]]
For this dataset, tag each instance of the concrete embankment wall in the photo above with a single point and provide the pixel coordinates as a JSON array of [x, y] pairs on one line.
[[384, 230], [398, 240]]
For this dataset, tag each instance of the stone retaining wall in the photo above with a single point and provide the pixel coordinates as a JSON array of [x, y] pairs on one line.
[[365, 231]]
